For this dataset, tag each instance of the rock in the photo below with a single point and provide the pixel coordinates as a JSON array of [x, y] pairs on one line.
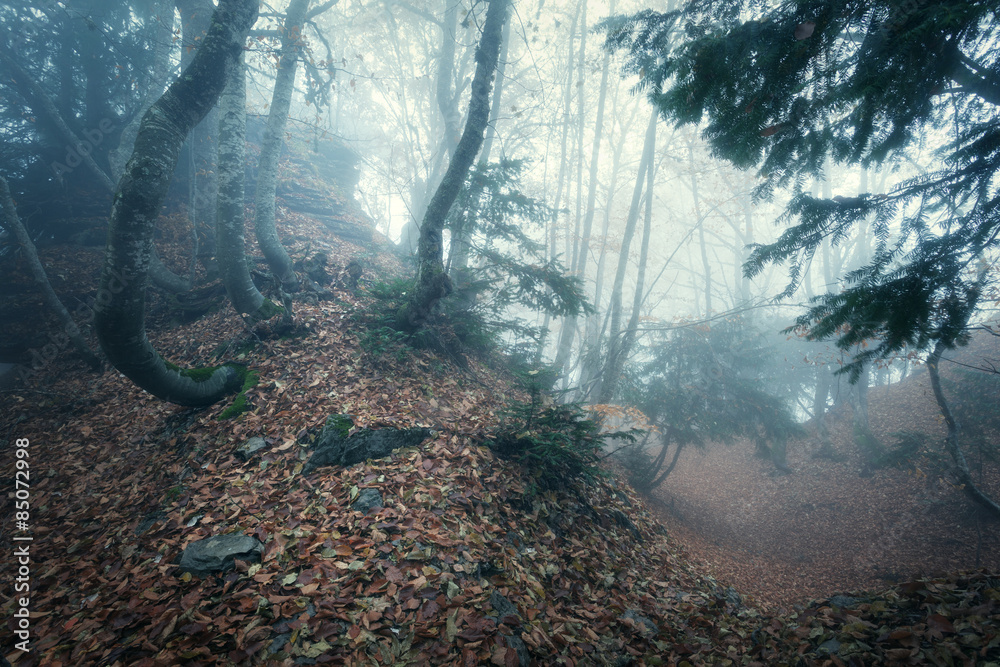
[[516, 643], [641, 622], [503, 607], [217, 553], [246, 451], [367, 500], [334, 447], [843, 601], [733, 597], [830, 646]]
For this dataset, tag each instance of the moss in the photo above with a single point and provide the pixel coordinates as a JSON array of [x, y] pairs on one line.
[[196, 374], [240, 404], [267, 310], [341, 424]]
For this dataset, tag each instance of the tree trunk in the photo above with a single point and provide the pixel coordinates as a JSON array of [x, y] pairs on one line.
[[120, 317], [432, 281], [38, 271], [615, 307], [270, 147], [243, 294], [619, 349], [203, 186], [951, 440]]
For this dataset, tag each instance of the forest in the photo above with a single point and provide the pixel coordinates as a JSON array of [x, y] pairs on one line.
[[500, 332]]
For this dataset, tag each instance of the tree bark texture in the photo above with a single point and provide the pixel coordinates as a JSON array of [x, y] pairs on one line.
[[432, 281], [38, 271], [243, 294], [120, 317], [270, 147]]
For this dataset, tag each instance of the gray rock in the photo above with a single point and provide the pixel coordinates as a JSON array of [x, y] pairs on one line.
[[642, 621], [246, 451], [843, 601], [334, 447], [516, 643], [217, 553], [733, 597], [830, 646], [503, 607], [367, 500]]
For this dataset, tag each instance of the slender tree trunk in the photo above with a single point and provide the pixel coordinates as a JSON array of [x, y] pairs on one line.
[[615, 306], [458, 260], [38, 271], [270, 147], [120, 316], [951, 440], [243, 294], [203, 186], [432, 281], [620, 349], [696, 195]]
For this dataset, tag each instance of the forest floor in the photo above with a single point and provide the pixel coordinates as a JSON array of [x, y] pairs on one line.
[[835, 525], [463, 565]]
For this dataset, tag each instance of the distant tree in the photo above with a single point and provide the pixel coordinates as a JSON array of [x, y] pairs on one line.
[[705, 384], [432, 282], [786, 87], [120, 317]]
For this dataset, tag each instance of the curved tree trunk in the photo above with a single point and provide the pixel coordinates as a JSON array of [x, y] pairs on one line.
[[432, 281], [270, 147], [35, 264], [243, 294], [120, 317]]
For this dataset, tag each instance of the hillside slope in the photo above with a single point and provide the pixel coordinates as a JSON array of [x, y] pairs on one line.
[[461, 565]]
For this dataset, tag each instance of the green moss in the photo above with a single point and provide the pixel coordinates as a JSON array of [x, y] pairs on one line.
[[342, 424], [240, 404], [196, 374]]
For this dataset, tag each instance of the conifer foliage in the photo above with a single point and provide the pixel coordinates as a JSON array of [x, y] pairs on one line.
[[790, 87]]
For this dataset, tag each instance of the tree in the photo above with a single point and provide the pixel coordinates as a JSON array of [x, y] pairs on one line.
[[704, 384], [784, 87], [120, 316], [270, 149], [787, 87], [432, 281], [243, 294], [13, 221]]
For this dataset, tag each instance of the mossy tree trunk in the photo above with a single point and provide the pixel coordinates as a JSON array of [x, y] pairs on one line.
[[270, 148], [432, 281], [120, 317], [38, 271], [243, 294]]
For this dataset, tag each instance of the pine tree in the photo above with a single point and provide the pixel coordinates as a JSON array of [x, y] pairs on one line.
[[785, 87]]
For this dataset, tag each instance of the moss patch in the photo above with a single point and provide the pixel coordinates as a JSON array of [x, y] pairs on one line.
[[240, 403]]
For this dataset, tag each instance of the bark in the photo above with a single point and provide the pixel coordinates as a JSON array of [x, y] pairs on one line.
[[620, 349], [163, 14], [951, 440], [270, 148], [243, 294], [615, 307], [38, 272], [432, 281], [706, 265], [120, 316], [458, 261]]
